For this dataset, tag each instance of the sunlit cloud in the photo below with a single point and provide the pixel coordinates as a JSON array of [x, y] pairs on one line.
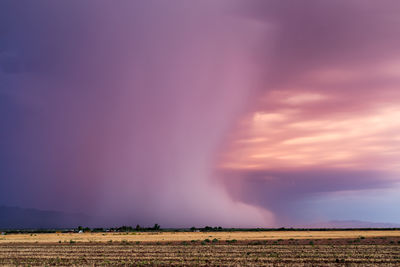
[[283, 138], [326, 117]]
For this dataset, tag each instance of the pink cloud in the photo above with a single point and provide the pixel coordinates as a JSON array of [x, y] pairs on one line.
[[326, 113]]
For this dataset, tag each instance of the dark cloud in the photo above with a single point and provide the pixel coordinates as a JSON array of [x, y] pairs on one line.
[[10, 63], [280, 191], [324, 112], [313, 35], [121, 109]]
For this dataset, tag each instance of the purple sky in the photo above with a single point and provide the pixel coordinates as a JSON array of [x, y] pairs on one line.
[[232, 113]]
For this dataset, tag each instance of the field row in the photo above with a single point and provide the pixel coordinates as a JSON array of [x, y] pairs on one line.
[[188, 236], [199, 254]]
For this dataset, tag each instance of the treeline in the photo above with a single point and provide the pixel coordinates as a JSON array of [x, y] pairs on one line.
[[156, 227], [123, 228], [82, 229]]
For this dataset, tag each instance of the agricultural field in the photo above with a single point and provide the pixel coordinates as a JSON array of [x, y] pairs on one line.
[[292, 248]]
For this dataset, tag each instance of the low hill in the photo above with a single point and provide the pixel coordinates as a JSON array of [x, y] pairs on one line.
[[22, 218], [351, 224]]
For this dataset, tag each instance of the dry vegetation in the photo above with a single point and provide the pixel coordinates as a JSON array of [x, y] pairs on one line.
[[188, 236], [329, 248]]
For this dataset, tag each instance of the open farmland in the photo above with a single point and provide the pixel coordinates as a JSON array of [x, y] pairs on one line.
[[171, 236], [281, 248]]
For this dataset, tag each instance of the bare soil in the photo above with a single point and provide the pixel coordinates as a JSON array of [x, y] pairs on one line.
[[210, 251]]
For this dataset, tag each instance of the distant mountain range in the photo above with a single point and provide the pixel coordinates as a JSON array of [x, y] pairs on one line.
[[350, 224], [21, 218]]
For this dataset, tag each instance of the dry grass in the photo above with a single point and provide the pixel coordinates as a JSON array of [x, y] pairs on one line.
[[315, 248], [188, 236]]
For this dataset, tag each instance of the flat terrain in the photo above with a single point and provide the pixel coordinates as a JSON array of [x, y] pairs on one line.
[[188, 236], [291, 248]]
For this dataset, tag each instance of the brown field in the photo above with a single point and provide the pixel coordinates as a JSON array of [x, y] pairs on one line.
[[281, 248], [188, 236]]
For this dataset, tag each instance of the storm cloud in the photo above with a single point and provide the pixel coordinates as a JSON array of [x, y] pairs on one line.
[[325, 117], [191, 113]]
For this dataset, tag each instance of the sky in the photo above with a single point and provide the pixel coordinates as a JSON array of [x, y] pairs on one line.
[[233, 113]]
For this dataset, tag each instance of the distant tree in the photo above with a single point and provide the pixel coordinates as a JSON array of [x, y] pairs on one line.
[[138, 227], [193, 229], [156, 227], [125, 229], [207, 228]]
